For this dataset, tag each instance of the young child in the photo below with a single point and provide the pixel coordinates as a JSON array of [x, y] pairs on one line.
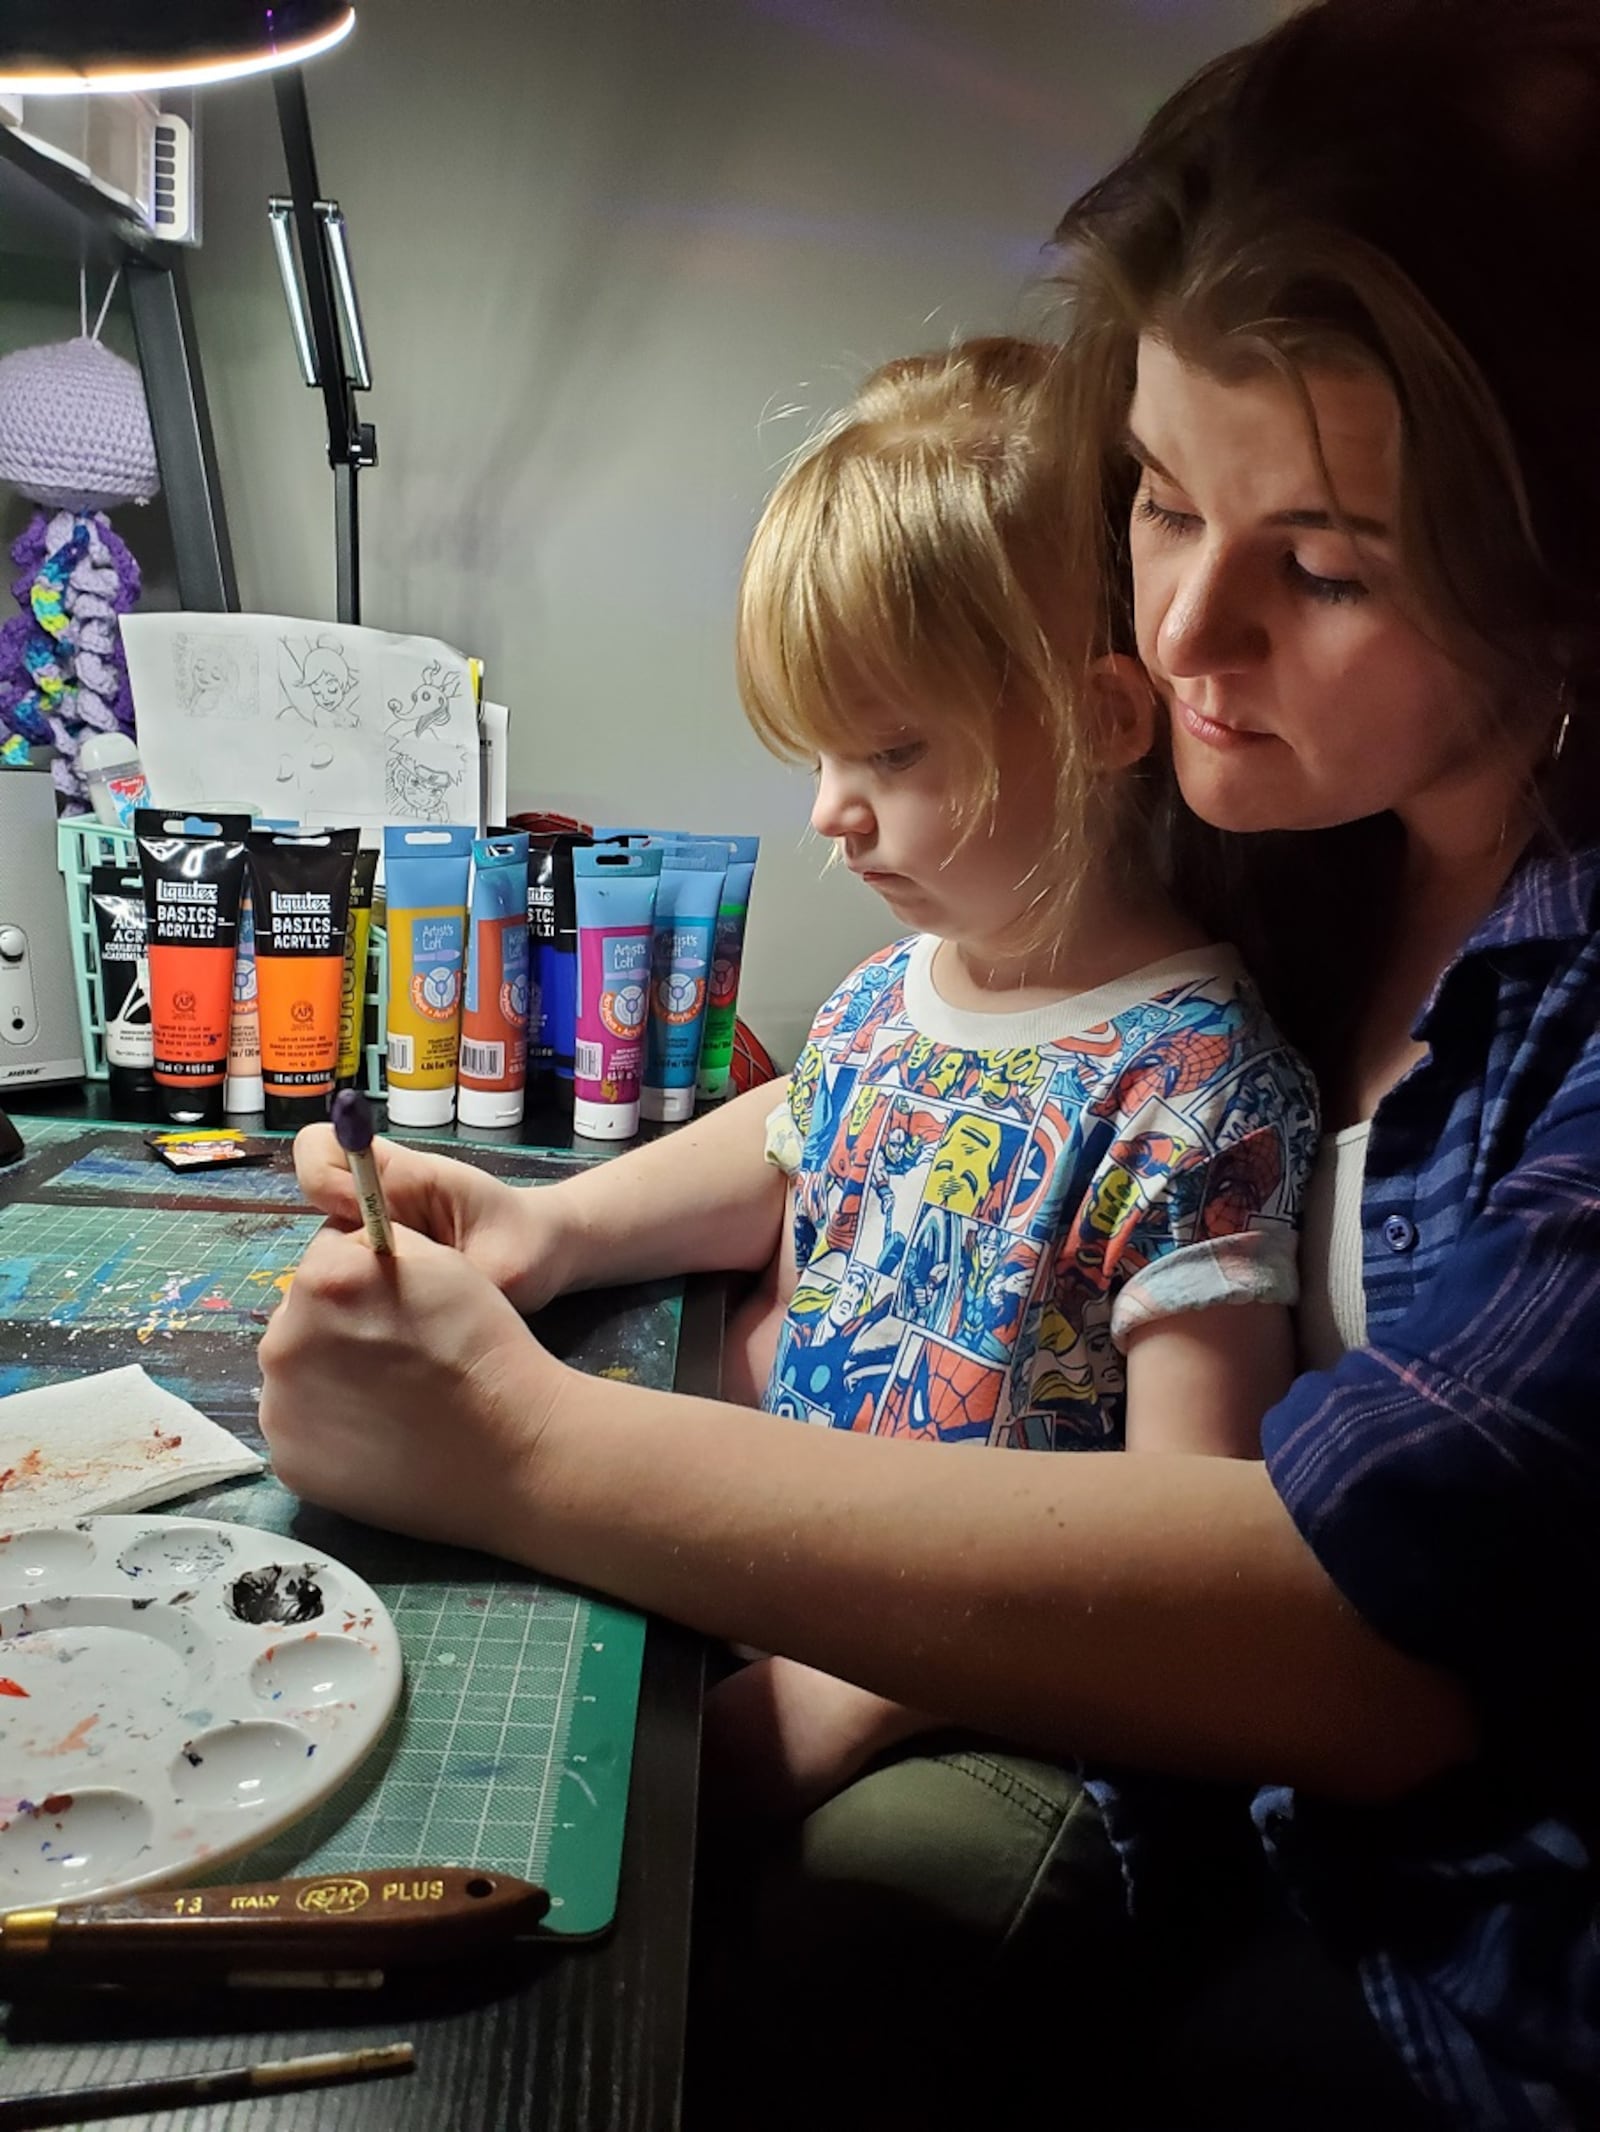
[[1047, 1151]]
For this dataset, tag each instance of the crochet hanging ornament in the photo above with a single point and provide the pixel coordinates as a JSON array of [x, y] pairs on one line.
[[74, 438]]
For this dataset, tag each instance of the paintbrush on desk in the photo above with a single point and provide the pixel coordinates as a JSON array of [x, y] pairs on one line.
[[337, 1921], [178, 2091]]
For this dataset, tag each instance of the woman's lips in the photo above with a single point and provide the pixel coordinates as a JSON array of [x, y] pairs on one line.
[[1213, 732]]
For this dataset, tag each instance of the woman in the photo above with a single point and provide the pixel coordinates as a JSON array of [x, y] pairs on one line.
[[1345, 298]]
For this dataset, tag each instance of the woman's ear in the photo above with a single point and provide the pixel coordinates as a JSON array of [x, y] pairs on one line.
[[1124, 709]]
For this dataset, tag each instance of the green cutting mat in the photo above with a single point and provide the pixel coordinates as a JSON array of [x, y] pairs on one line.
[[512, 1746]]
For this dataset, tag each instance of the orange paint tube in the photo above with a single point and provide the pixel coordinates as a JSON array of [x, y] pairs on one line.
[[193, 872], [300, 892]]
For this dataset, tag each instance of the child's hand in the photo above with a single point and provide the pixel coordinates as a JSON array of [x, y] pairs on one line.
[[515, 1237], [779, 1738]]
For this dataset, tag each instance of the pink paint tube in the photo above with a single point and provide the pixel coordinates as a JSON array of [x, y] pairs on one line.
[[616, 894]]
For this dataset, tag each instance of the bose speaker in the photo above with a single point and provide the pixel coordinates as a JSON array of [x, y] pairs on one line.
[[39, 1039]]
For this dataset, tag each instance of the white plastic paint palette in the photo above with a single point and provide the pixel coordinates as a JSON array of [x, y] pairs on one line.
[[173, 1691]]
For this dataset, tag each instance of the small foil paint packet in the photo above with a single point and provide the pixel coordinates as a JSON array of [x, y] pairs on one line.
[[206, 1150]]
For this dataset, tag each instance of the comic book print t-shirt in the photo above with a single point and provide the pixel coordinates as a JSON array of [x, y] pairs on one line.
[[987, 1206]]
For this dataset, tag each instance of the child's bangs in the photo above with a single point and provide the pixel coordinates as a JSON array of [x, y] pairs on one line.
[[842, 629]]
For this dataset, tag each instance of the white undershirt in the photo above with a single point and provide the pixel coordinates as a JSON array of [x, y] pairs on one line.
[[1332, 1313]]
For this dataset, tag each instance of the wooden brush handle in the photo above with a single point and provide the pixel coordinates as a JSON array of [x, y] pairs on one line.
[[404, 1914]]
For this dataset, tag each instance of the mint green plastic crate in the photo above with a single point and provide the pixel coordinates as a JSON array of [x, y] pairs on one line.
[[84, 842]]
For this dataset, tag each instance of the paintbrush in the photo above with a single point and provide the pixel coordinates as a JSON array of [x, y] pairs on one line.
[[344, 1921], [352, 1128], [176, 2091]]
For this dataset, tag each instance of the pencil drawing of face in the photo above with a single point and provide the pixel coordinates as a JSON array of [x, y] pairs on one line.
[[430, 703], [319, 683]]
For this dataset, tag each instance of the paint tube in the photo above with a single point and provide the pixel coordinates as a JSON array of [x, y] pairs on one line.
[[680, 977], [716, 1046], [116, 896], [193, 873], [553, 931], [242, 1092], [425, 878], [300, 893], [616, 894], [353, 985], [494, 1014]]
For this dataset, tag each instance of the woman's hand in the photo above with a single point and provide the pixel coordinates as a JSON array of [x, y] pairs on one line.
[[405, 1390], [518, 1238]]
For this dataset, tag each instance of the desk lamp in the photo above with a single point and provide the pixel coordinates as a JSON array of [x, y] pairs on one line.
[[122, 47]]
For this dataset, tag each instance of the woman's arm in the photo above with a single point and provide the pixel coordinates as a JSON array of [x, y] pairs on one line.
[[1163, 1611]]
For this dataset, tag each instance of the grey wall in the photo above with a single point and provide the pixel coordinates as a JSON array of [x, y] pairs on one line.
[[615, 257]]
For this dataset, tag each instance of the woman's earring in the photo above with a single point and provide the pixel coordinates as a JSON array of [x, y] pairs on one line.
[[1564, 726]]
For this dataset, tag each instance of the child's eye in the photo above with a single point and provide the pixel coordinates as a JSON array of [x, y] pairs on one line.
[[1332, 591], [901, 757], [1158, 514]]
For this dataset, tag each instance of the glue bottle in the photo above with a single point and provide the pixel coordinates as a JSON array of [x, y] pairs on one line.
[[114, 778]]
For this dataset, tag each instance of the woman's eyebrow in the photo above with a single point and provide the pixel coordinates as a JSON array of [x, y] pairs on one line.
[[1304, 521], [1326, 522], [1147, 458]]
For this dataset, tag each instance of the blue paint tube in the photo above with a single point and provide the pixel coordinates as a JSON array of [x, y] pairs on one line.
[[425, 875], [716, 1047], [616, 895], [680, 977], [494, 1019]]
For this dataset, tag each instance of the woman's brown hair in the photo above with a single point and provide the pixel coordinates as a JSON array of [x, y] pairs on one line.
[[1413, 185]]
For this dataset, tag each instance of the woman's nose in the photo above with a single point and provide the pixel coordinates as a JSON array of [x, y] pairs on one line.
[[841, 807], [1213, 623]]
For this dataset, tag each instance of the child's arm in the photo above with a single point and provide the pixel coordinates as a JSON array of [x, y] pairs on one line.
[[699, 1200], [1201, 1380], [780, 1738]]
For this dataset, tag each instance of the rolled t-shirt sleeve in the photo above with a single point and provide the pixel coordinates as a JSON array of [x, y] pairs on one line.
[[1447, 1475], [1218, 1211]]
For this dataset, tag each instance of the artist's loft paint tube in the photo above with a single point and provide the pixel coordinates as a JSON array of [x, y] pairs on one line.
[[425, 879], [192, 867], [616, 920], [716, 1046], [353, 983], [116, 896], [494, 1013], [300, 893], [553, 930], [687, 903]]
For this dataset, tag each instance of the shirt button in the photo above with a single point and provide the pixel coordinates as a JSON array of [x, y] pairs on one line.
[[1398, 1233]]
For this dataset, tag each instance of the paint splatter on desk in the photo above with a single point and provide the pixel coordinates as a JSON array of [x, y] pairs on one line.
[[514, 1742]]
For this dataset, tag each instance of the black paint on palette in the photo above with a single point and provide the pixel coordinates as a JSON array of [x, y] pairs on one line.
[[108, 1258]]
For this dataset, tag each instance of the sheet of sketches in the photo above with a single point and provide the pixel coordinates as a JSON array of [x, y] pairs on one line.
[[304, 720]]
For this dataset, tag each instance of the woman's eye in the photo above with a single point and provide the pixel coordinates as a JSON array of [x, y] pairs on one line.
[[1332, 591], [901, 757], [1162, 515]]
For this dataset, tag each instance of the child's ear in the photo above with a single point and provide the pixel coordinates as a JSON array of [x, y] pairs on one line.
[[1124, 706]]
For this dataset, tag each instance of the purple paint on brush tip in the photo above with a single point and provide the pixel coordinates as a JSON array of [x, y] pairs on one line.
[[352, 1121]]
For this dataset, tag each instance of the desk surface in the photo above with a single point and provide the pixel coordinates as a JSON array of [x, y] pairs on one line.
[[576, 2039]]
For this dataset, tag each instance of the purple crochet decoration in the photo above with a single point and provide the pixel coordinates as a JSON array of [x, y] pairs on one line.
[[57, 685]]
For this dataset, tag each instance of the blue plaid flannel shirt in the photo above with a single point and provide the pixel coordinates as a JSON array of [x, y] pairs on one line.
[[1447, 1476]]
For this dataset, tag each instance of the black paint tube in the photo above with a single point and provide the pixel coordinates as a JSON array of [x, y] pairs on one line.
[[193, 872], [116, 896], [553, 961], [300, 896]]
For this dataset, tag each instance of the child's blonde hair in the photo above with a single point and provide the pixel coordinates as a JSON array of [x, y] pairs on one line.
[[919, 553]]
